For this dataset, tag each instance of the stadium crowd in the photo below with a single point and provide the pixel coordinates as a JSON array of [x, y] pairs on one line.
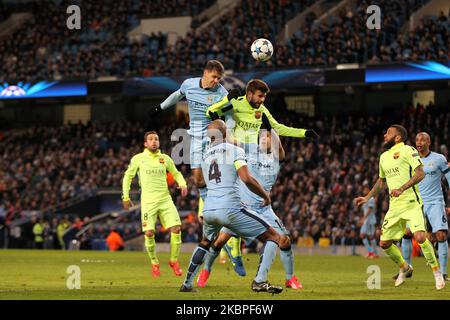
[[41, 50], [44, 167]]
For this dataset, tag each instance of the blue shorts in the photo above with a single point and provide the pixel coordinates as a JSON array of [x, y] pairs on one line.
[[436, 216], [268, 215], [241, 222], [368, 228], [196, 150]]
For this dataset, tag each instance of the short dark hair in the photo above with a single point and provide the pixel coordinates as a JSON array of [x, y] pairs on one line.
[[256, 84], [215, 65], [401, 131], [149, 133]]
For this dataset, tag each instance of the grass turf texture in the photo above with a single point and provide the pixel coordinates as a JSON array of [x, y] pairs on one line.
[[33, 274]]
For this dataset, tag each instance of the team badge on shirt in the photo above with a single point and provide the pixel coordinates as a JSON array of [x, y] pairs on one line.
[[161, 160], [396, 155], [258, 114], [210, 99]]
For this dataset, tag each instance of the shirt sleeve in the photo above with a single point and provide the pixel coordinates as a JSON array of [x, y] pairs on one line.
[[445, 168], [283, 130], [239, 159], [174, 171], [128, 178], [220, 107], [172, 99], [413, 158]]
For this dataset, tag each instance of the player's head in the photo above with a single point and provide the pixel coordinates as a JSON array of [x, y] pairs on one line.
[[395, 134], [151, 141], [217, 131], [256, 92], [265, 140], [423, 142], [212, 73]]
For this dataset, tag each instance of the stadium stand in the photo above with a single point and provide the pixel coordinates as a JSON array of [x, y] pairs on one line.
[[39, 50]]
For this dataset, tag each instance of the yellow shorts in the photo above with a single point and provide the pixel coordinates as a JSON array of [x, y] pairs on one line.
[[395, 220], [165, 210]]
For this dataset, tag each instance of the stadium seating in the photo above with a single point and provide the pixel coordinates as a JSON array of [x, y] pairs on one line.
[[40, 50]]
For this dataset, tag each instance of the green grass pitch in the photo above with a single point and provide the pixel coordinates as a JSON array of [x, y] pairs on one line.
[[33, 274]]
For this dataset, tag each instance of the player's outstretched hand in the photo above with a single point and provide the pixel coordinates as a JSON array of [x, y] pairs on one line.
[[310, 133], [154, 111], [266, 122], [447, 210], [234, 93], [184, 191], [360, 201], [213, 115], [127, 204]]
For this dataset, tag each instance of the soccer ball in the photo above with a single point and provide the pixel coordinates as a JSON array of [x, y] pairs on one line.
[[262, 49]]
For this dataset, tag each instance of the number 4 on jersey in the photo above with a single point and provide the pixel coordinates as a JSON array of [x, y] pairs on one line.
[[214, 172]]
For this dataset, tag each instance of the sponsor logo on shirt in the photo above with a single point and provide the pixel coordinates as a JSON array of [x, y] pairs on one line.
[[392, 172], [156, 172], [248, 125]]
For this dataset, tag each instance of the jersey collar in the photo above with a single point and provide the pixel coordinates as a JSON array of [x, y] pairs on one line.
[[398, 145], [157, 153], [209, 89], [429, 152]]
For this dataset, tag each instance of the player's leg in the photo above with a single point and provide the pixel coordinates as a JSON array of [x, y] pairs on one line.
[[287, 258], [198, 144], [441, 237], [437, 219], [170, 220], [249, 224], [213, 253], [271, 240], [210, 232], [417, 225], [392, 229], [365, 241], [286, 252], [366, 244], [196, 261], [407, 246], [148, 220], [233, 250]]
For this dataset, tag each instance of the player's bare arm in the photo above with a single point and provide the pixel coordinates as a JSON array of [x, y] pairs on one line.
[[418, 176], [379, 185], [253, 184]]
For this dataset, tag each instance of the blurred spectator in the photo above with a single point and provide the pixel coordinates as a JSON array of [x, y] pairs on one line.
[[114, 241], [38, 232], [63, 225]]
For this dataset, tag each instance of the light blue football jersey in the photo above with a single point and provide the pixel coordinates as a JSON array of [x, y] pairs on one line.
[[435, 166], [265, 168], [221, 176], [370, 205], [199, 99]]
